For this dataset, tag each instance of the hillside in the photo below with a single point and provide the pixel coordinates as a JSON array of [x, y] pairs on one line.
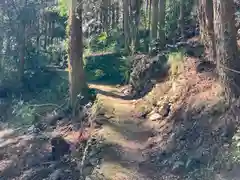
[[177, 131]]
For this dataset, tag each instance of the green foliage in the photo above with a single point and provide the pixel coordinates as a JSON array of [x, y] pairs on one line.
[[236, 147], [108, 68], [106, 42], [102, 37], [63, 8], [23, 113], [172, 17], [125, 69], [175, 61]]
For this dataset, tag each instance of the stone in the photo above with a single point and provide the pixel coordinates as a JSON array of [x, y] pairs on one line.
[[178, 167], [94, 161], [56, 175], [87, 170], [154, 117], [88, 178], [192, 164], [100, 120], [164, 110], [60, 147], [144, 68]]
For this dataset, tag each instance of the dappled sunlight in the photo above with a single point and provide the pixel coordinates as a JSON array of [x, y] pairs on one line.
[[5, 164], [119, 90], [116, 171], [6, 133]]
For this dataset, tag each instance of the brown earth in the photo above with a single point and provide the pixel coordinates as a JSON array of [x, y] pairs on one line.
[[180, 144]]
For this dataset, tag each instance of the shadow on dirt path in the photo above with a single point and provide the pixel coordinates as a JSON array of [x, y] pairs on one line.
[[126, 138]]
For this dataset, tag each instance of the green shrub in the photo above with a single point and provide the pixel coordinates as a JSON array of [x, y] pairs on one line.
[[125, 69], [23, 114], [175, 61], [236, 147], [108, 68]]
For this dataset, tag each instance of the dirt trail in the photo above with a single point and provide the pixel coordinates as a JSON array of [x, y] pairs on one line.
[[125, 135]]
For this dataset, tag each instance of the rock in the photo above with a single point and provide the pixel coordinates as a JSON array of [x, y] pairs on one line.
[[56, 175], [87, 170], [101, 120], [94, 161], [171, 144], [60, 147], [192, 164], [205, 66], [154, 117], [202, 156], [165, 110], [178, 167], [94, 152], [88, 178], [143, 70]]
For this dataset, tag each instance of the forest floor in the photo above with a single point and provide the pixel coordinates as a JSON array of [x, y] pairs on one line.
[[137, 139]]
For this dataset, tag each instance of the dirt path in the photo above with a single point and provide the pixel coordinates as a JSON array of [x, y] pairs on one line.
[[125, 135]]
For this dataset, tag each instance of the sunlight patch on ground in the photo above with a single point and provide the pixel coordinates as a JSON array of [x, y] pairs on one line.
[[6, 132], [4, 164], [115, 171]]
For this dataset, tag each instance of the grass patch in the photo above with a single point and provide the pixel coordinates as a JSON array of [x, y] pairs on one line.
[[175, 62], [109, 68]]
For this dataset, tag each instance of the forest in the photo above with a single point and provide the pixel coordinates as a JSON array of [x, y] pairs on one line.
[[119, 90]]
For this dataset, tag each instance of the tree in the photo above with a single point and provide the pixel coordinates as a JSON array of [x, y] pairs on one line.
[[126, 25], [162, 12], [105, 14], [206, 27], [226, 47], [135, 9], [78, 85], [154, 22], [181, 18], [149, 6]]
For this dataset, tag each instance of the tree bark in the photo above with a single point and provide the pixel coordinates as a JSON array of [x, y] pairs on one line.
[[126, 25], [105, 15], [149, 13], [162, 13], [21, 44], [113, 10], [117, 13], [226, 47], [207, 28], [154, 22], [135, 14], [181, 19], [78, 85]]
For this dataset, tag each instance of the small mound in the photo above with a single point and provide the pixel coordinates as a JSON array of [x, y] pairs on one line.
[[186, 112]]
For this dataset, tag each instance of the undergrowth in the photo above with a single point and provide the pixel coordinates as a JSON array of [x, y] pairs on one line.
[[175, 61]]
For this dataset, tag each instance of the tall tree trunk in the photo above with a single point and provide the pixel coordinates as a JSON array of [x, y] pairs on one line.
[[21, 41], [154, 29], [102, 19], [149, 13], [105, 15], [162, 13], [126, 25], [137, 23], [45, 33], [113, 10], [146, 14], [181, 19], [117, 12], [226, 47], [78, 85], [207, 27], [135, 18]]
